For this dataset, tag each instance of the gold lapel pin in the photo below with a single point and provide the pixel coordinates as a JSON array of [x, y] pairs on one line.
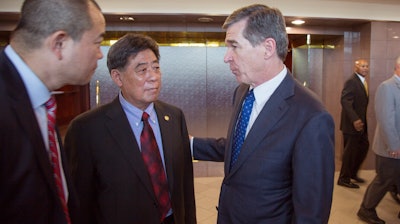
[[166, 117]]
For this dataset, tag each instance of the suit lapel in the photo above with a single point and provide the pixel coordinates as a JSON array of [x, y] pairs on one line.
[[22, 107], [274, 109], [239, 96], [28, 119], [360, 85], [119, 128], [396, 81], [165, 121]]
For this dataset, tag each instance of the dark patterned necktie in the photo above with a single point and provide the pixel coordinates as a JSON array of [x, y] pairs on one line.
[[241, 126], [51, 107], [152, 159]]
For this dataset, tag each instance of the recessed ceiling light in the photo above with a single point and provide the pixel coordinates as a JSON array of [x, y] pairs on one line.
[[205, 19], [126, 18], [298, 22]]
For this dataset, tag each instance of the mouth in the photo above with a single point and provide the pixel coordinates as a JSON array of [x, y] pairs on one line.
[[235, 72], [155, 89]]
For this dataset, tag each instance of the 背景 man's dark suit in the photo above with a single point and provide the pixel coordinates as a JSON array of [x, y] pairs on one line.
[[28, 193], [354, 101], [285, 170], [110, 176]]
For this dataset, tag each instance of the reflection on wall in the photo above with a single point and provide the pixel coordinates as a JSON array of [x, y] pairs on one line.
[[193, 78], [307, 67]]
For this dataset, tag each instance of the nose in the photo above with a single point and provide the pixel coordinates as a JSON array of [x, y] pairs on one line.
[[99, 54], [228, 56], [153, 74]]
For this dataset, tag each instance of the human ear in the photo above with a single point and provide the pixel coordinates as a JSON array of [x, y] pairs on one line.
[[116, 77], [57, 42], [270, 47]]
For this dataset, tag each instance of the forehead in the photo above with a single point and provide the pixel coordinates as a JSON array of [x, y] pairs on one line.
[[145, 56], [98, 23], [362, 63], [235, 31]]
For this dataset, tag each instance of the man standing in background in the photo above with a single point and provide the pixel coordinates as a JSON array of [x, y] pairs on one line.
[[56, 42], [353, 124], [386, 146]]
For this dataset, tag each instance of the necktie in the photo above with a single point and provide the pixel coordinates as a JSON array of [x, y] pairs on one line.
[[51, 107], [152, 159], [366, 86], [241, 126]]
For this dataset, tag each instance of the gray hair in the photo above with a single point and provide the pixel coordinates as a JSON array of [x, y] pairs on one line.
[[262, 22], [41, 18]]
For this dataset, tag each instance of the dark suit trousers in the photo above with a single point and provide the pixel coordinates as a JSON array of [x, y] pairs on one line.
[[387, 175], [355, 150]]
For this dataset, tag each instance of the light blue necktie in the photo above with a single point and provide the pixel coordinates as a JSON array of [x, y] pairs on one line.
[[241, 126]]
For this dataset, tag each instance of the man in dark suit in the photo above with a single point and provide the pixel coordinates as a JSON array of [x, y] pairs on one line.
[[284, 170], [55, 43], [353, 124], [105, 146]]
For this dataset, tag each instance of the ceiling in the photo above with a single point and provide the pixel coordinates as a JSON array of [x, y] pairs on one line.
[[394, 2], [169, 28], [217, 21]]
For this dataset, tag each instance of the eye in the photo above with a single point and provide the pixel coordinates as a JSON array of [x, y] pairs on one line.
[[141, 71], [156, 68]]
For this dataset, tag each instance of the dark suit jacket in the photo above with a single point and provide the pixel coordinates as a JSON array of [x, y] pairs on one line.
[[285, 170], [109, 172], [354, 101], [28, 193]]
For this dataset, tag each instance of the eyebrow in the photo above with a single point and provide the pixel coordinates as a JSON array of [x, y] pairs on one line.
[[146, 63], [231, 41], [102, 35]]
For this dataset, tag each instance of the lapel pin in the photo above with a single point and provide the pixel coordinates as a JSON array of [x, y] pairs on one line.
[[166, 117]]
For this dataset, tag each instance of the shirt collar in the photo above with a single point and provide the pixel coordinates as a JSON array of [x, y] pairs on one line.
[[362, 78], [397, 77], [37, 91], [264, 91], [136, 113]]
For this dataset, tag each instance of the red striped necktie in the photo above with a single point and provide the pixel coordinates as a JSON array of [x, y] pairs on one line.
[[51, 107], [155, 168]]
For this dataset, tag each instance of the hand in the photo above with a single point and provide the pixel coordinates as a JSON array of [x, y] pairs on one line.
[[394, 154], [358, 125]]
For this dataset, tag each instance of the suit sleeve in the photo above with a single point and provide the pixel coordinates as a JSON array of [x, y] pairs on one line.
[[209, 149], [385, 109], [80, 164], [347, 101], [313, 170], [190, 206]]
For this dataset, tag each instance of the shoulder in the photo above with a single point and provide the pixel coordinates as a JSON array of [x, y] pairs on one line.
[[98, 113], [306, 102], [166, 107], [352, 79]]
